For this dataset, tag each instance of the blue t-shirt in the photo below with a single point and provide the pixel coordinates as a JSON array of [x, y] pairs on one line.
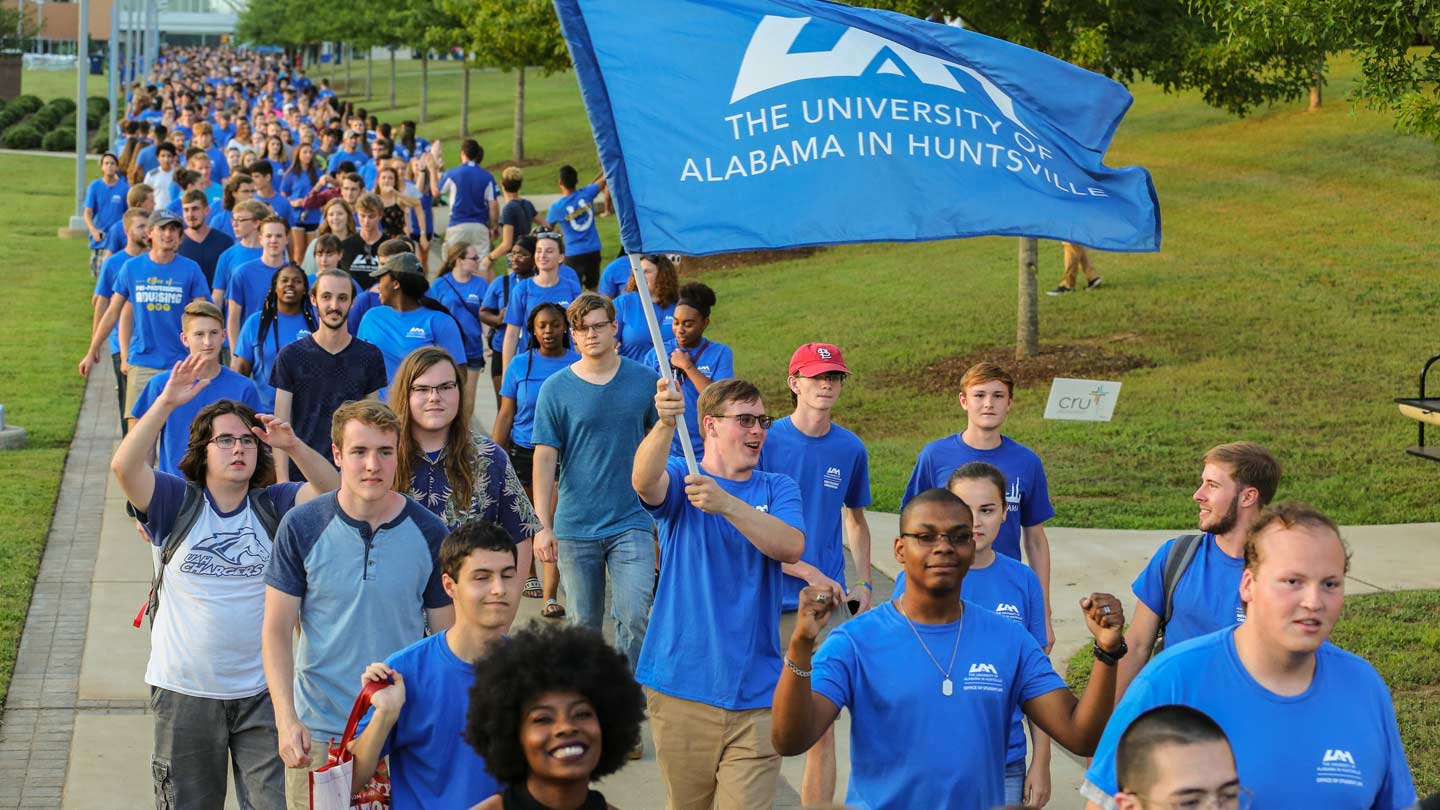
[[285, 329], [522, 381], [714, 360], [278, 203], [115, 237], [175, 438], [146, 157], [874, 666], [833, 473], [158, 294], [207, 253], [596, 429], [715, 579], [431, 765], [634, 330], [470, 189], [296, 186], [106, 204], [615, 277], [397, 333], [363, 594], [223, 221], [219, 166], [249, 285], [1027, 495], [232, 257], [1207, 597], [1012, 590], [357, 158], [496, 298], [105, 287], [1336, 745], [576, 217], [463, 300], [528, 294]]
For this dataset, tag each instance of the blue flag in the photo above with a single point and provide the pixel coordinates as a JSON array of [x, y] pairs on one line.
[[747, 124]]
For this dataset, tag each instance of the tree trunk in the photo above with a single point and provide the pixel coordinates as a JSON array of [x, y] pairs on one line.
[[349, 57], [465, 95], [1315, 87], [369, 73], [518, 151], [392, 78], [424, 86], [1027, 313]]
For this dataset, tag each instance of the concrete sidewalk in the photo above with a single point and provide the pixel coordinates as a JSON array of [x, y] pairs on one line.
[[76, 734]]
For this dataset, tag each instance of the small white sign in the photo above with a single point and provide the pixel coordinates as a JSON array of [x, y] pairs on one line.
[[1082, 400]]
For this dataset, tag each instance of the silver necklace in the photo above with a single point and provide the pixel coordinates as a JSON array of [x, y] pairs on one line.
[[947, 687]]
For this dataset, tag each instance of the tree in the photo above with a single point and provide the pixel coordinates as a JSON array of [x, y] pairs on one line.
[[432, 27], [514, 35]]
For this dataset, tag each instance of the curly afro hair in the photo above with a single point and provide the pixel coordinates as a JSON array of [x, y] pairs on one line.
[[539, 660]]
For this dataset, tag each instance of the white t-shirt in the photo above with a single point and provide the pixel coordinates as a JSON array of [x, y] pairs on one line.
[[161, 180], [206, 638]]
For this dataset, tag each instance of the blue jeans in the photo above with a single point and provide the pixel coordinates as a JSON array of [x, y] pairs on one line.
[[1014, 781], [630, 559]]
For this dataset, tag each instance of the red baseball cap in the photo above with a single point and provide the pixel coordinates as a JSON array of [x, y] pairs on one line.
[[813, 359]]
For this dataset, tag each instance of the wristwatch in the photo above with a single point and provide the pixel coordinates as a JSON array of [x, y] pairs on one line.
[[1110, 658]]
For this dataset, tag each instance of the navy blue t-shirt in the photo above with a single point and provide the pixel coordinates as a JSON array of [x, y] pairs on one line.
[[319, 382], [206, 253]]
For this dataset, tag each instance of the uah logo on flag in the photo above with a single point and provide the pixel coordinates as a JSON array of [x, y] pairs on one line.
[[780, 123]]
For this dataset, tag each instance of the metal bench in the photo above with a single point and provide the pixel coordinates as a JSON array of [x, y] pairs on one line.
[[1426, 411]]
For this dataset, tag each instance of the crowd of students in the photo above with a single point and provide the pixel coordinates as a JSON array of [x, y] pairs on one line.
[[296, 391]]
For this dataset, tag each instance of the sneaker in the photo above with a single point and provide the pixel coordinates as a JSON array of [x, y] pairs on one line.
[[1059, 291], [1094, 282]]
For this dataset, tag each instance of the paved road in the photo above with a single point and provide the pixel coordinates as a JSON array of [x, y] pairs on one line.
[[76, 734]]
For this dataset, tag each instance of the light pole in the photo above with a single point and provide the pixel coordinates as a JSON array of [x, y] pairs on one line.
[[110, 88], [82, 78]]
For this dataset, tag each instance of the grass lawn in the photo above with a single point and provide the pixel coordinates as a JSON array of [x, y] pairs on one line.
[[1399, 633], [44, 327]]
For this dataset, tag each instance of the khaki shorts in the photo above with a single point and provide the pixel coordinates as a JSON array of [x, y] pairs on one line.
[[297, 780], [472, 232], [135, 382], [712, 757]]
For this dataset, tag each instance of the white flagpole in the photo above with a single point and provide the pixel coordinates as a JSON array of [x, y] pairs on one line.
[[666, 373]]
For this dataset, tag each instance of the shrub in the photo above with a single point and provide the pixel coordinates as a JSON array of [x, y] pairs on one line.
[[94, 120], [10, 116], [61, 105], [61, 140], [45, 120], [98, 104], [100, 143], [29, 103], [67, 120], [21, 136]]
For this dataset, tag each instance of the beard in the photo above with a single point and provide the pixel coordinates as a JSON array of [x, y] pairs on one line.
[[1225, 523]]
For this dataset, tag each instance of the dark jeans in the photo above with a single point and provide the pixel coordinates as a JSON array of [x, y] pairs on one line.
[[196, 737], [587, 267], [120, 391]]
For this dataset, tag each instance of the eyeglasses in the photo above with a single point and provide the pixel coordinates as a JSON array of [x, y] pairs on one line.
[[1237, 798], [748, 420], [832, 377], [424, 391], [238, 220], [227, 441], [928, 539], [471, 257], [585, 329]]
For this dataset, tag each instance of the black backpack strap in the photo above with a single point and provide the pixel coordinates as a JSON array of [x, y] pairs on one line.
[[264, 509], [1182, 552]]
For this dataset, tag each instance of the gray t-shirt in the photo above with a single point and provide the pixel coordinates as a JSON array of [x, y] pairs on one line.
[[596, 429]]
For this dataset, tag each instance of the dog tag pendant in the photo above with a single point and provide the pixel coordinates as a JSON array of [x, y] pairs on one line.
[[947, 688]]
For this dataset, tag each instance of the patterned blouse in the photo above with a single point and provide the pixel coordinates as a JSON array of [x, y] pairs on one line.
[[499, 497]]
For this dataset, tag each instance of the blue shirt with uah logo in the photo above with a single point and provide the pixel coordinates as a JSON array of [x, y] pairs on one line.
[[397, 333], [716, 361], [106, 203], [528, 294], [714, 578], [1027, 493], [1207, 597], [634, 330], [874, 666], [261, 354], [833, 472], [1335, 745], [1012, 590], [615, 277], [576, 217]]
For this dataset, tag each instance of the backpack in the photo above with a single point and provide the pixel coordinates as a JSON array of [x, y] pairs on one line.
[[191, 507], [1176, 562]]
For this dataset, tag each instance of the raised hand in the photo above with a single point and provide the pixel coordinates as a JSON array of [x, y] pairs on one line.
[[1106, 619]]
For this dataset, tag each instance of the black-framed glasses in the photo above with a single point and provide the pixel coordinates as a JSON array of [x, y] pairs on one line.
[[225, 441], [748, 420], [425, 391], [934, 538], [1236, 798], [832, 377], [585, 329]]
